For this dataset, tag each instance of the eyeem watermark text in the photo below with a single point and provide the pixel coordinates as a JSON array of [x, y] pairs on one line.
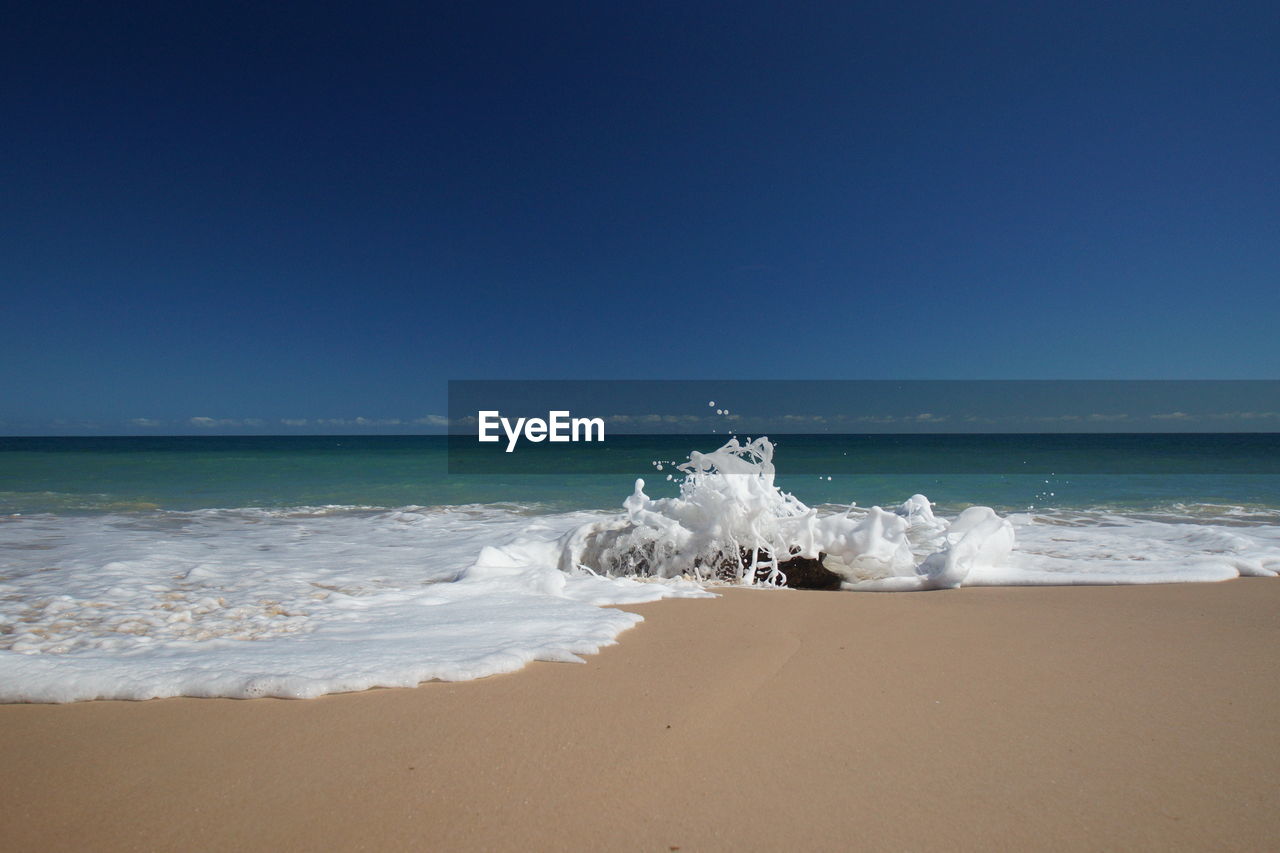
[[558, 426]]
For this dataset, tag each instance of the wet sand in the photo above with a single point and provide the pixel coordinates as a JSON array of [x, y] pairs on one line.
[[1018, 718]]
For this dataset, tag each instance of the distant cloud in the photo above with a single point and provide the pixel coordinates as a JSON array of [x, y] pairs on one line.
[[1097, 417], [647, 419], [208, 423], [204, 422], [1245, 416], [146, 422], [359, 421], [1172, 416]]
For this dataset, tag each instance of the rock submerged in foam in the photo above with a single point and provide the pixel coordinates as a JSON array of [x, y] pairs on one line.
[[809, 573]]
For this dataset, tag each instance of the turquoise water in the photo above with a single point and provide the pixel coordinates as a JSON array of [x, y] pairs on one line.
[[120, 474]]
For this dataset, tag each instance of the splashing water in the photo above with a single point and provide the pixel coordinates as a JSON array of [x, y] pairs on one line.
[[732, 524]]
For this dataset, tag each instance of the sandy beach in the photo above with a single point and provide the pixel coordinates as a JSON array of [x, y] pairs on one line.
[[1012, 718]]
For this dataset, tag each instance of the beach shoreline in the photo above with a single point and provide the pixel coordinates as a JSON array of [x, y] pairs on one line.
[[1131, 717]]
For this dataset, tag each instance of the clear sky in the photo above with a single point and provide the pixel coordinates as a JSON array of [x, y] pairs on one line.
[[252, 213]]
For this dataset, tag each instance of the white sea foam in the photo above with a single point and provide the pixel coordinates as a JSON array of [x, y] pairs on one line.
[[314, 600], [296, 603]]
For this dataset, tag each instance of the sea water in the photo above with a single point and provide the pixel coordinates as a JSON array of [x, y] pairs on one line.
[[294, 567]]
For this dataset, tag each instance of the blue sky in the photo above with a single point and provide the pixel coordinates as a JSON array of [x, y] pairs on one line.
[[248, 214]]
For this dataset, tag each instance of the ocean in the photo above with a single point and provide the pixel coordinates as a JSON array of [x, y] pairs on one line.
[[296, 566], [1134, 472]]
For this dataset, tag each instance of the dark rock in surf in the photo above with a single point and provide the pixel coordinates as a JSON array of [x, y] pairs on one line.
[[808, 573], [801, 572]]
